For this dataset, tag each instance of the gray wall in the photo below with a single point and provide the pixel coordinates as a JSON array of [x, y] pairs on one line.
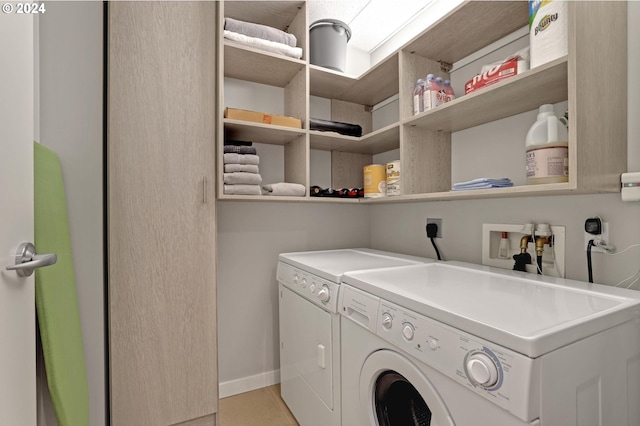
[[476, 148], [250, 237], [71, 63]]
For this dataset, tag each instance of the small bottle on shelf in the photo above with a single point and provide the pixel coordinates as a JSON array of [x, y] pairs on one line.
[[418, 97], [448, 90], [430, 92], [441, 96]]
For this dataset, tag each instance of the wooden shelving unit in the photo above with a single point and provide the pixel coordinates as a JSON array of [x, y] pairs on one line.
[[597, 137]]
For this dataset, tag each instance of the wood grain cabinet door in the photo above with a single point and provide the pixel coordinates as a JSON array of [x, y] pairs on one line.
[[161, 213]]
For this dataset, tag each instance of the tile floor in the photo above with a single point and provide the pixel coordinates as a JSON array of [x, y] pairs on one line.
[[261, 407]]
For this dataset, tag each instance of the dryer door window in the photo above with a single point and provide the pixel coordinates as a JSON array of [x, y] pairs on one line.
[[397, 402], [396, 392]]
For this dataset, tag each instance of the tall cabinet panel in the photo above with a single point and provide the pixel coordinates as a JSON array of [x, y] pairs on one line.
[[161, 213]]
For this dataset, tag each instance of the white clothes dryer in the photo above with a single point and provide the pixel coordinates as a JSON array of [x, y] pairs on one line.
[[466, 345], [309, 286]]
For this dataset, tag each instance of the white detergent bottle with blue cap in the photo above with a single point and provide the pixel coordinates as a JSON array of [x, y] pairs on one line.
[[547, 146]]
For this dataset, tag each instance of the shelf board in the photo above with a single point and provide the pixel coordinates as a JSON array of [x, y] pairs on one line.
[[524, 92], [259, 66], [268, 198], [277, 14], [468, 28], [261, 133], [514, 191], [379, 83], [382, 140]]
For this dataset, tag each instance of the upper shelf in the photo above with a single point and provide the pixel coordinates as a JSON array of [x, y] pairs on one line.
[[542, 85], [379, 83], [259, 66], [468, 28], [276, 14]]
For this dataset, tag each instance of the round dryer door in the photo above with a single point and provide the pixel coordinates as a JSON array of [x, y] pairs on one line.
[[395, 392]]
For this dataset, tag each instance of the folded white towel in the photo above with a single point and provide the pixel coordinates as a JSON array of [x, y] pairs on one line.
[[284, 189], [242, 189], [241, 159], [260, 31], [247, 168], [270, 46], [241, 178]]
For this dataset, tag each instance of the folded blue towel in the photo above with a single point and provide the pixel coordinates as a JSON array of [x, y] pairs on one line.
[[482, 183]]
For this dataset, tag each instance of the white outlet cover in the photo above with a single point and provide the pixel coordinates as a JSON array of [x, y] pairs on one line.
[[604, 236]]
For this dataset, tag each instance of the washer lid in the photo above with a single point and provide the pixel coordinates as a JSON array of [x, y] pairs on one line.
[[332, 264], [532, 315]]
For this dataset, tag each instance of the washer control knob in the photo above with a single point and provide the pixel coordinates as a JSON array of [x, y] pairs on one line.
[[312, 288], [433, 344], [482, 370], [295, 278], [408, 331], [304, 283], [324, 294], [387, 321]]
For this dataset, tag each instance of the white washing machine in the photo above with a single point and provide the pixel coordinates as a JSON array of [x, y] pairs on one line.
[[309, 285], [466, 345]]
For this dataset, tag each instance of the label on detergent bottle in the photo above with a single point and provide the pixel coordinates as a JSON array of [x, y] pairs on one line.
[[548, 162]]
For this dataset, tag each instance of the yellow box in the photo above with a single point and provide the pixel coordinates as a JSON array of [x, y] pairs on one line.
[[260, 117]]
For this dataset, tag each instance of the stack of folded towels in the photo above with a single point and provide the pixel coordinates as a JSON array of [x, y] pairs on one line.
[[482, 183], [241, 173], [262, 37]]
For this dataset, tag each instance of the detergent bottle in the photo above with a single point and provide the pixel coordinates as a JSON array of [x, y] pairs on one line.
[[547, 145]]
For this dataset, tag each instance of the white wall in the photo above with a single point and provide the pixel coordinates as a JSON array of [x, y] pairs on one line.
[[71, 64]]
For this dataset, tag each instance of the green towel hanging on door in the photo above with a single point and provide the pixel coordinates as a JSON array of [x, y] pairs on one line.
[[56, 297]]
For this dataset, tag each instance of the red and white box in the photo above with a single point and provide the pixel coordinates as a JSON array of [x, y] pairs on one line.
[[496, 73]]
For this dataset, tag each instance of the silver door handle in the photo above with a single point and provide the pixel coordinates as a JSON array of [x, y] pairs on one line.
[[27, 260]]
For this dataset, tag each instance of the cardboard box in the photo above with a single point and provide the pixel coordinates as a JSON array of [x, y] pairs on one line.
[[259, 117], [495, 74]]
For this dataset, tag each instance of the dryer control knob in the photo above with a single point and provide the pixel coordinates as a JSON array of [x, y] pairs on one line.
[[407, 331], [304, 283], [295, 279], [482, 370], [324, 294], [387, 321]]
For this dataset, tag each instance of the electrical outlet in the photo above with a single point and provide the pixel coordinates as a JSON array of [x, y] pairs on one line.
[[437, 222], [604, 237]]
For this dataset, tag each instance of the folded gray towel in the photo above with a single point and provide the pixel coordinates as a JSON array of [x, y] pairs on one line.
[[284, 189], [247, 168], [241, 178], [241, 159], [242, 189], [240, 149], [260, 31]]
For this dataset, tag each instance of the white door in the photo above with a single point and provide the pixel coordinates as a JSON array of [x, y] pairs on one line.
[[17, 302]]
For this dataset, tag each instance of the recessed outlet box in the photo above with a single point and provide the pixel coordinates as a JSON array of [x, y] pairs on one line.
[[492, 255], [604, 237], [437, 222]]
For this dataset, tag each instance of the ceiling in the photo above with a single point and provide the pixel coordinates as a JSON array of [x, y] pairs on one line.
[[372, 22]]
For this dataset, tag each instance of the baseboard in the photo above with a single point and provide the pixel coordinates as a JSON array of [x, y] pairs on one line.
[[246, 384]]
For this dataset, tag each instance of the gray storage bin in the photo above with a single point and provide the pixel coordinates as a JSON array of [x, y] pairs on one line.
[[328, 40]]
